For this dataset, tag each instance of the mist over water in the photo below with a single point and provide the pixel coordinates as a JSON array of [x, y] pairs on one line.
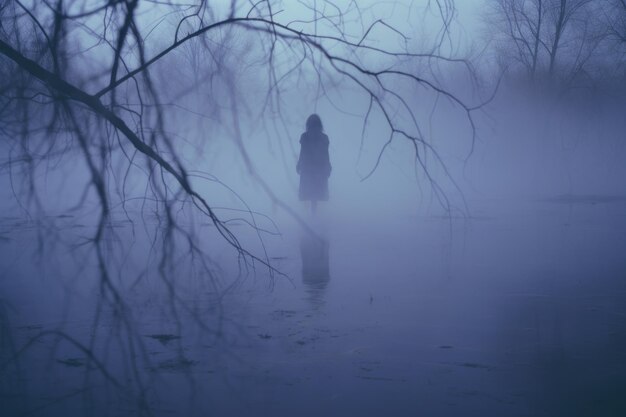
[[472, 265]]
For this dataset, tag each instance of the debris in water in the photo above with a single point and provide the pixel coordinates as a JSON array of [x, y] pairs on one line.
[[72, 362], [163, 338]]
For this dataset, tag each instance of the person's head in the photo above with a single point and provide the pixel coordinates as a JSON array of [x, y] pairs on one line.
[[314, 124]]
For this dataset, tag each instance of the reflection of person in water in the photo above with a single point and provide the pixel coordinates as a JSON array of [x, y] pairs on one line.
[[314, 163], [315, 266]]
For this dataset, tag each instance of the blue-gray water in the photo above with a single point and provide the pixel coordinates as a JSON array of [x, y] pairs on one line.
[[519, 310]]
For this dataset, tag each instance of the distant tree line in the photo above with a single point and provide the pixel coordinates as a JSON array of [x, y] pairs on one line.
[[566, 42]]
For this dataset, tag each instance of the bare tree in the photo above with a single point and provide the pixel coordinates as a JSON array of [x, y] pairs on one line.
[[520, 22], [87, 87], [615, 12], [78, 72], [560, 14]]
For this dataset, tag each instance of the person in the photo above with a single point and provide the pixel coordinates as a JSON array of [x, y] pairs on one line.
[[314, 163]]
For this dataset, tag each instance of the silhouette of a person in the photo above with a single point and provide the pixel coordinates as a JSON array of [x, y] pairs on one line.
[[314, 163]]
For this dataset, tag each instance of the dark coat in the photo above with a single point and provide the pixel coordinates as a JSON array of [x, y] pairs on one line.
[[314, 166]]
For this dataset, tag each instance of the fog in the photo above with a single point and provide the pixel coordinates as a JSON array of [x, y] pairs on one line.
[[160, 253]]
